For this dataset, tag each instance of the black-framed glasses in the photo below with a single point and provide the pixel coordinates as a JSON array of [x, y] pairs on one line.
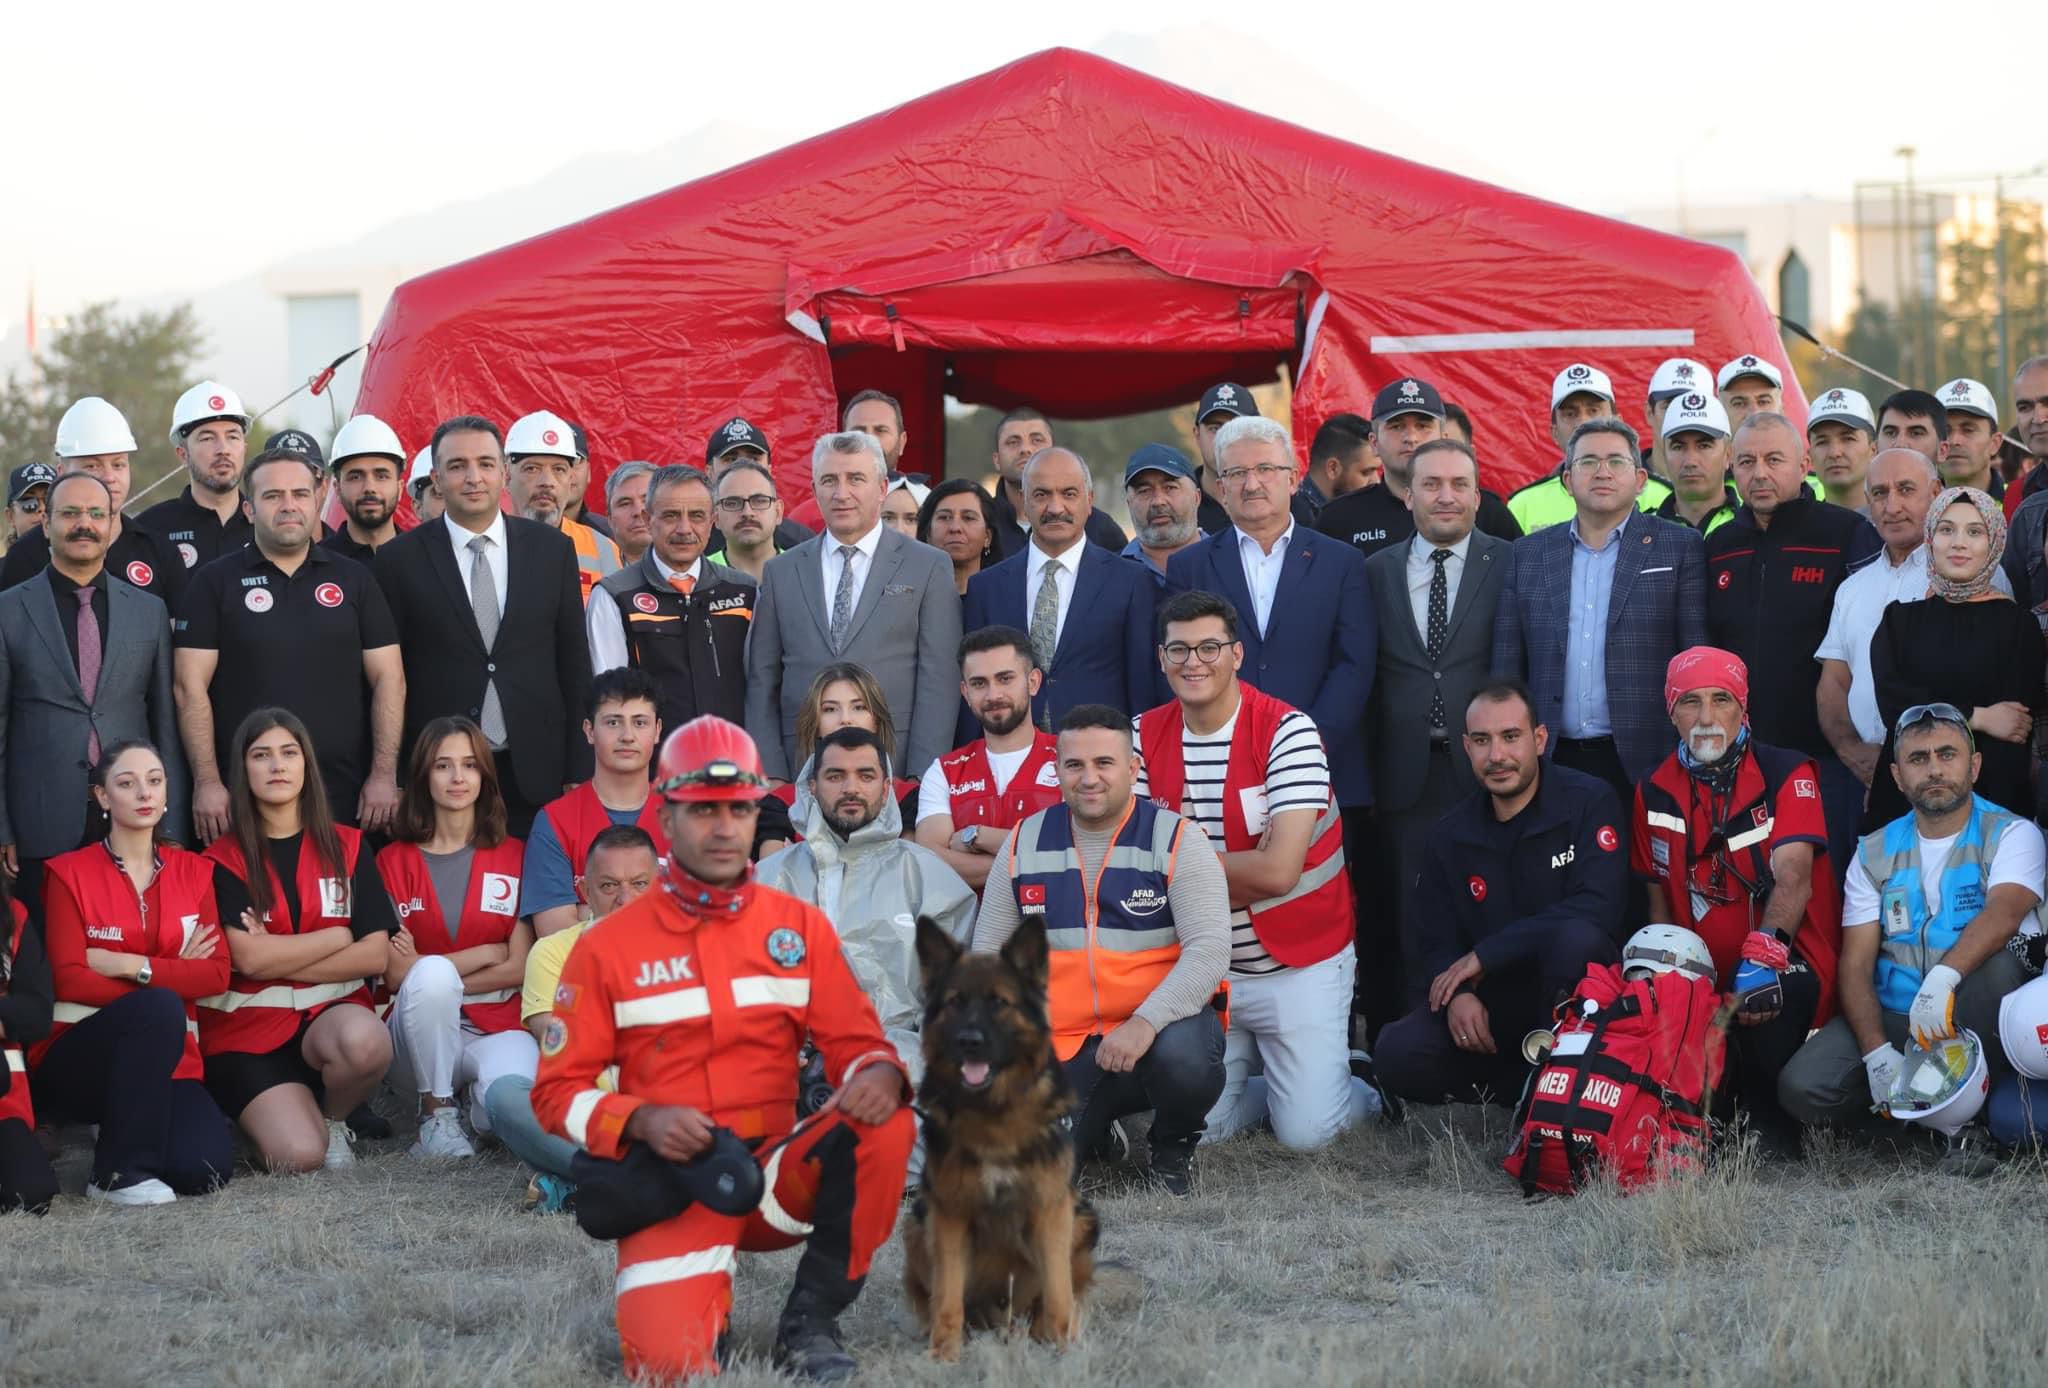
[[1177, 652], [733, 505], [1933, 713]]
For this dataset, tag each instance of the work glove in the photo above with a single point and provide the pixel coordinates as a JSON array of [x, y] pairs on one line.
[[1882, 1067], [1765, 948], [1758, 991], [1933, 1014]]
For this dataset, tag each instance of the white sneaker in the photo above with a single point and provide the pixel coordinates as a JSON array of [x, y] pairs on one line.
[[441, 1136], [150, 1191], [339, 1153]]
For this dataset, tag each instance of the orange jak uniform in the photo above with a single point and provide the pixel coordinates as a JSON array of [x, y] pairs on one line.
[[708, 1011]]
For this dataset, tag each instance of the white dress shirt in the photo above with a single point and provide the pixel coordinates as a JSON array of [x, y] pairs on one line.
[[606, 629], [1421, 569], [494, 553], [1035, 560], [1262, 571], [863, 565]]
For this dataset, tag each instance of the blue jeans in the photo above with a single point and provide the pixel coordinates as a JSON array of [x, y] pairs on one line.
[[510, 1106]]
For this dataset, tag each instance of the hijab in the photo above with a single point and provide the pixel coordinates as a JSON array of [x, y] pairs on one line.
[[1968, 589]]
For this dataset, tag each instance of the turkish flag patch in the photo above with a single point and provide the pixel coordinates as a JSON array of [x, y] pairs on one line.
[[1805, 788], [1477, 885], [1031, 894], [1607, 838]]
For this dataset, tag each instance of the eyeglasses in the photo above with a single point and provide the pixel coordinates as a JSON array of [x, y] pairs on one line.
[[733, 505], [74, 513], [1612, 463], [1177, 652], [1267, 473], [1933, 713]]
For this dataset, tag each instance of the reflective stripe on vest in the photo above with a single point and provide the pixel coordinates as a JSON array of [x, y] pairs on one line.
[[595, 555], [1105, 968], [298, 997], [72, 1013], [1910, 940]]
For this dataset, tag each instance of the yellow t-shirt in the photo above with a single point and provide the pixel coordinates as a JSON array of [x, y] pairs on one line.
[[544, 970]]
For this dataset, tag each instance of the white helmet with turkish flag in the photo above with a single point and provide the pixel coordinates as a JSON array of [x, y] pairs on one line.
[[542, 432], [365, 436], [207, 400]]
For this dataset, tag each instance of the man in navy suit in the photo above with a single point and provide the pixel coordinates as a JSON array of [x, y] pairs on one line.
[[1591, 613], [1089, 614], [1309, 632]]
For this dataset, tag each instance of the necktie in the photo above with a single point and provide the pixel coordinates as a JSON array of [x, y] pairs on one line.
[[842, 598], [89, 664], [483, 597], [1439, 620], [683, 583], [1045, 615]]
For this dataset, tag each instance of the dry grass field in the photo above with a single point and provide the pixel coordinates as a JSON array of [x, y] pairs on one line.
[[1399, 1256]]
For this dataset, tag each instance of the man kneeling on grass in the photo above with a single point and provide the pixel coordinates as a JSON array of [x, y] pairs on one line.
[[1521, 888], [1138, 922], [1931, 902]]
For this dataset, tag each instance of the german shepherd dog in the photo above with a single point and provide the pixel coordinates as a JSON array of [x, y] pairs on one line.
[[998, 1232]]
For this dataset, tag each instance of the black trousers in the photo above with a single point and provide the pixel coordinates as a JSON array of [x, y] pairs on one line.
[[1376, 996], [1403, 836], [114, 1069], [1598, 756], [1179, 1080], [519, 812], [1418, 1059], [27, 1181], [1758, 1054]]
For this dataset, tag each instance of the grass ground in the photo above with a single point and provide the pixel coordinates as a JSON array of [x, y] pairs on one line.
[[1398, 1256]]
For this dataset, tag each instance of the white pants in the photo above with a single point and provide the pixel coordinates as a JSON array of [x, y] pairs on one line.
[[1297, 1022], [434, 1048]]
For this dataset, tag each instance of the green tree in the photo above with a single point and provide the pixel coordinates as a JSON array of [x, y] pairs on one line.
[[140, 362]]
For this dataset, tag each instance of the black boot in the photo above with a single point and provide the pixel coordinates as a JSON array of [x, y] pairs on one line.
[[807, 1343], [1173, 1167], [365, 1122]]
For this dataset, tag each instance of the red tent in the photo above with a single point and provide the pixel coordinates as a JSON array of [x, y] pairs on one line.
[[1063, 231]]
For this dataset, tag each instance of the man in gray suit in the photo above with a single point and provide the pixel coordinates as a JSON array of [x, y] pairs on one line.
[[85, 662], [861, 592], [1435, 596]]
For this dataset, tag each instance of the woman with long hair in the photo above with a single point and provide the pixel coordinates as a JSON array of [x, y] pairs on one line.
[[1965, 644], [460, 952], [841, 695], [27, 1181], [292, 1044], [135, 948], [960, 518]]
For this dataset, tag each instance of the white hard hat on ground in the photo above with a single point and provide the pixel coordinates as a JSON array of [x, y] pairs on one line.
[[2023, 1028], [365, 435], [92, 427], [207, 400], [1943, 1087]]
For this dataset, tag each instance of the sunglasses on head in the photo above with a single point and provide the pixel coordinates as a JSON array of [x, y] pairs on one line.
[[1921, 714]]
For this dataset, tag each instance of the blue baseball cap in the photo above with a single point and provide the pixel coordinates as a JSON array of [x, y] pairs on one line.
[[1157, 457]]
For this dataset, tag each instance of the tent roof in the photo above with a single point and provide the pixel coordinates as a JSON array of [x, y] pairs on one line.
[[653, 323]]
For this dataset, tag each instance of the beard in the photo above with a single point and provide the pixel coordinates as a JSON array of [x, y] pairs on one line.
[[1007, 722], [846, 821], [1708, 745], [1170, 534], [369, 511], [1938, 798]]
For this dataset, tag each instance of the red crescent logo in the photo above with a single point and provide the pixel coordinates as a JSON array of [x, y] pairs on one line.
[[214, 402], [1607, 838], [646, 602], [1478, 886], [328, 595], [550, 436], [140, 574], [1724, 578]]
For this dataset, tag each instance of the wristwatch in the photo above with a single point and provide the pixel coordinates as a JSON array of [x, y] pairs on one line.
[[969, 835], [144, 974]]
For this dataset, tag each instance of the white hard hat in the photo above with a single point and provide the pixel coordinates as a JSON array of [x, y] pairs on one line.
[[422, 469], [2023, 1028], [1943, 1087], [1657, 949], [543, 432], [364, 435], [92, 427], [207, 400]]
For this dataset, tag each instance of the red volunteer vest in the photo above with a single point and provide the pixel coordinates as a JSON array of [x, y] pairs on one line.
[[1313, 920], [181, 893], [490, 912], [971, 794], [580, 816], [15, 1102], [259, 1015]]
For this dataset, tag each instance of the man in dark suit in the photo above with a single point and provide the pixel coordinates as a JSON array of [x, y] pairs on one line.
[[85, 661], [1435, 596], [861, 592], [490, 623], [1308, 625], [1089, 614], [1022, 435], [1592, 612]]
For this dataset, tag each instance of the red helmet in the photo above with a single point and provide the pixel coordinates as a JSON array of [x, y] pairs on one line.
[[710, 759]]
